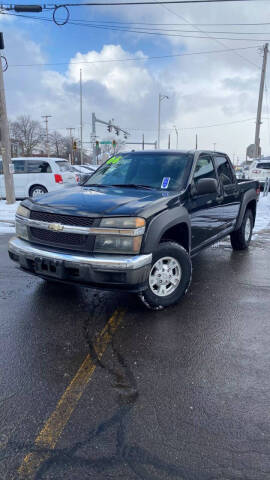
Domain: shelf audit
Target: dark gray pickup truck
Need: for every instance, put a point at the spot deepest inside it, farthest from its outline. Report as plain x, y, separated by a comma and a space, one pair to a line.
136, 223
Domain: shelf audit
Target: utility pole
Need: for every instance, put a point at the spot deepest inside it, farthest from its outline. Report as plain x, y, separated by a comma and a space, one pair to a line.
81, 117
214, 145
259, 109
4, 136
143, 141
71, 143
160, 98
176, 131
47, 133
169, 142
196, 142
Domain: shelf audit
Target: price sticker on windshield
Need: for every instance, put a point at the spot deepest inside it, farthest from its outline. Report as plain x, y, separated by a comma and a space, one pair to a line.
165, 182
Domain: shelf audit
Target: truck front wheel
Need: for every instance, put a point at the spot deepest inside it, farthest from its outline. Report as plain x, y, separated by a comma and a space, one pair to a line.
240, 239
169, 277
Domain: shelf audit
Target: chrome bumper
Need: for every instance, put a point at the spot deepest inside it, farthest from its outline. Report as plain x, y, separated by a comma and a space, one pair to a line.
24, 249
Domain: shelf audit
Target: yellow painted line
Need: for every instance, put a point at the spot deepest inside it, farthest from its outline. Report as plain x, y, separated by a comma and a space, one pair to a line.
53, 428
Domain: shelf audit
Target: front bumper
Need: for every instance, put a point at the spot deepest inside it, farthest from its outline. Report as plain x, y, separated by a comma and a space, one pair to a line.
100, 271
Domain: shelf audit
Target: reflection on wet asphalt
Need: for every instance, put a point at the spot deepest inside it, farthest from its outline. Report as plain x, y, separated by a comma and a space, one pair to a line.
182, 393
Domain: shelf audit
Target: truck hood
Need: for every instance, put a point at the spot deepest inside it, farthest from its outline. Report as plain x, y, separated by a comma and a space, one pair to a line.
104, 201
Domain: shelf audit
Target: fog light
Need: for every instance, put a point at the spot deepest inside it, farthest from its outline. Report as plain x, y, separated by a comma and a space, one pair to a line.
21, 231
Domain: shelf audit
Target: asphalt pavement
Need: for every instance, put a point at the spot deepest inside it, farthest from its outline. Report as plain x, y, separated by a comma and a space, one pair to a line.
179, 394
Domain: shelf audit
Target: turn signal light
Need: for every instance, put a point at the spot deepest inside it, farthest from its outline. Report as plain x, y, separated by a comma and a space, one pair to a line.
58, 178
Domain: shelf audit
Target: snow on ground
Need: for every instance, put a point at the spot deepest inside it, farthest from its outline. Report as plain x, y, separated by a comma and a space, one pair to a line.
263, 214
7, 215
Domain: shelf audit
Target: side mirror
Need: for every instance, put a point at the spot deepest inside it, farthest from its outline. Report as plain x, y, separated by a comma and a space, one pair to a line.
206, 185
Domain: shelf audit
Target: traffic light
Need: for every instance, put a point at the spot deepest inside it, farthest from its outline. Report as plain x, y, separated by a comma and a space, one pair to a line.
74, 146
117, 131
109, 128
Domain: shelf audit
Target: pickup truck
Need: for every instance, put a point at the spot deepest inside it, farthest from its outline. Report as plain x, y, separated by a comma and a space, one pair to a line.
136, 223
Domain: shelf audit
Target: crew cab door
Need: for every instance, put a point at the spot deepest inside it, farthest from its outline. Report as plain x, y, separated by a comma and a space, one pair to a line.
205, 210
229, 188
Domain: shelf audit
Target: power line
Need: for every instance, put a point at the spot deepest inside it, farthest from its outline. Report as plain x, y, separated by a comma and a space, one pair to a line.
123, 60
147, 32
210, 37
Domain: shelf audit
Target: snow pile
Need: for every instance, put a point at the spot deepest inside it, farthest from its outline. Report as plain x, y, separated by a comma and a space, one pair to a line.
7, 216
263, 214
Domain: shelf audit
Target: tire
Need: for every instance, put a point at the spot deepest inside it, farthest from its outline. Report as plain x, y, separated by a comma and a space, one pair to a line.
37, 190
174, 264
240, 239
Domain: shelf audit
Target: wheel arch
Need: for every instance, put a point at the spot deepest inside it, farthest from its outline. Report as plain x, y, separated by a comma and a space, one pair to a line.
168, 226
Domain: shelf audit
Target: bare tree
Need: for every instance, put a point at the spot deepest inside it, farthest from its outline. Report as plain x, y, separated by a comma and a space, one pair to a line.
59, 145
28, 133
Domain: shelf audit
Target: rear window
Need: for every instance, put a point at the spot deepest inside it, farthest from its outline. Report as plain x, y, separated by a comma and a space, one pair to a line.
64, 166
263, 166
38, 166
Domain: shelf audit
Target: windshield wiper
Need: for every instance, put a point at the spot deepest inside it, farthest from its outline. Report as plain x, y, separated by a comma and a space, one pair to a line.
132, 185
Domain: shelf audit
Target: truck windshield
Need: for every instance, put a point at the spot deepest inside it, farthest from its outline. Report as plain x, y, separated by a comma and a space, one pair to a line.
155, 170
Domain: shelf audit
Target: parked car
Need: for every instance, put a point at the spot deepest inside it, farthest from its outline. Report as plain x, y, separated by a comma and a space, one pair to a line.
260, 171
82, 172
136, 223
35, 176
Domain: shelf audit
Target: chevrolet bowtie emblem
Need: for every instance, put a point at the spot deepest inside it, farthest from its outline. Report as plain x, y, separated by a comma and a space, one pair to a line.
56, 227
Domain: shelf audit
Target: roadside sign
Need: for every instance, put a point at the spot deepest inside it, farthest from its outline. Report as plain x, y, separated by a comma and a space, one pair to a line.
107, 142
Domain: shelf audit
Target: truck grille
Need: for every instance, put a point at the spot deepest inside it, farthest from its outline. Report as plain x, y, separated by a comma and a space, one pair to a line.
63, 219
65, 239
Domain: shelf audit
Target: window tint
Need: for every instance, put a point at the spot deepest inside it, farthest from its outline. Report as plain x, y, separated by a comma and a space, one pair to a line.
204, 168
64, 166
38, 166
263, 166
19, 166
224, 170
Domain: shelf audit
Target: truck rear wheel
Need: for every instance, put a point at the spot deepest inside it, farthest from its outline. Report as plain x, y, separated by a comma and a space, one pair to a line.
169, 277
240, 239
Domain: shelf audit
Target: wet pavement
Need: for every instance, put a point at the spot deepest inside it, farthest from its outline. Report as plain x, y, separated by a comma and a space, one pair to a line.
178, 394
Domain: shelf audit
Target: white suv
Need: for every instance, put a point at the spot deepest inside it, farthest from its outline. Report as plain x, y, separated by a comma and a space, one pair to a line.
34, 176
260, 170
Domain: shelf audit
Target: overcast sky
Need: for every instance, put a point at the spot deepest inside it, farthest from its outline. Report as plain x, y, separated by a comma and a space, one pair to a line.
204, 89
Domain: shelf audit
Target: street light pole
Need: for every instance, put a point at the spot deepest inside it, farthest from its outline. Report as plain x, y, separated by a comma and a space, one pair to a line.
160, 98
176, 131
214, 145
81, 117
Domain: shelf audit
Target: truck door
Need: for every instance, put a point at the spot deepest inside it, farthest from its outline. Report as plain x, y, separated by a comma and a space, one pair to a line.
230, 189
205, 210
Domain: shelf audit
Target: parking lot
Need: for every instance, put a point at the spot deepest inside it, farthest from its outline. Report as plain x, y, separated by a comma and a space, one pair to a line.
94, 385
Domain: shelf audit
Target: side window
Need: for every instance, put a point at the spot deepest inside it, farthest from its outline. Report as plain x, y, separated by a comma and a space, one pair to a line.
19, 166
224, 170
1, 168
38, 166
204, 168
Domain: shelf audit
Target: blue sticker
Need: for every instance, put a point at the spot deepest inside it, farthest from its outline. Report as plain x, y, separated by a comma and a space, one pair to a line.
165, 182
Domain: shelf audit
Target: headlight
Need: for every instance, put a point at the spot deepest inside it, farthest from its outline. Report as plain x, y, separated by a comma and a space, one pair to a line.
117, 244
22, 211
123, 222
